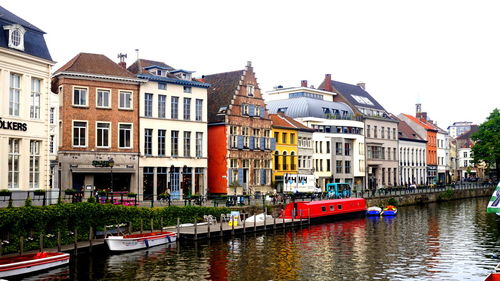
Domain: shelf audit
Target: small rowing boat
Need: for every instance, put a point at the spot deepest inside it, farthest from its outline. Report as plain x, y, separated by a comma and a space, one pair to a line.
29, 263
389, 211
373, 211
140, 241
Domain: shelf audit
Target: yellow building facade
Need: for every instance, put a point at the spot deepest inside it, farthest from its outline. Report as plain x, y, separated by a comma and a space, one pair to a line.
285, 154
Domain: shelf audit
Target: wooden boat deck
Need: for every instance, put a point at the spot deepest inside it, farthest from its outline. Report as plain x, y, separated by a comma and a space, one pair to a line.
204, 231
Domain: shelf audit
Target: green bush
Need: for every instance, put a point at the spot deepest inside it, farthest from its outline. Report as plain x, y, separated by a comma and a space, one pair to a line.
392, 201
31, 221
445, 195
91, 200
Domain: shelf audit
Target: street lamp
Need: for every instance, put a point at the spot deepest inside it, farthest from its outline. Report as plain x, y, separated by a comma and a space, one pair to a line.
111, 163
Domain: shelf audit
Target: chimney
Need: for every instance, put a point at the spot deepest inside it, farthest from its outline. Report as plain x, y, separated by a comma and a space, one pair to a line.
303, 83
122, 62
249, 64
328, 82
422, 116
362, 85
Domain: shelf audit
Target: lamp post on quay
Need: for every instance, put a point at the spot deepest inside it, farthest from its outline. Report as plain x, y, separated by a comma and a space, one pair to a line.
111, 164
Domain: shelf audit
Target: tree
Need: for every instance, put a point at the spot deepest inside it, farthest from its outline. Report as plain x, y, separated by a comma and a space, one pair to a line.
487, 142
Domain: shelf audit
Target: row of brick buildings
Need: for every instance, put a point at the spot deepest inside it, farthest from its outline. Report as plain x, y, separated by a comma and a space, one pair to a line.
151, 128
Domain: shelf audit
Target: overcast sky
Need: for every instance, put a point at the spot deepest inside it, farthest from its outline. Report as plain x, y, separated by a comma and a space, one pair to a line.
446, 54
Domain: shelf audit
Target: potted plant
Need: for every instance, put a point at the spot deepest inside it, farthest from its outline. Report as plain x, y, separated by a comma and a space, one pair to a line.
39, 192
5, 192
131, 194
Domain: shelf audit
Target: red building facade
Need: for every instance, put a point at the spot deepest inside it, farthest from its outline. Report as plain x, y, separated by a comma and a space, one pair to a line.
239, 134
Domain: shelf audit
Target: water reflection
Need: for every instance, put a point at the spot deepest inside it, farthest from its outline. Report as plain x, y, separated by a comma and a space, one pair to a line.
448, 241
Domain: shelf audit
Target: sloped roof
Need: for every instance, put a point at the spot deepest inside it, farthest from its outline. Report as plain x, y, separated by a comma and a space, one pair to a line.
94, 64
34, 42
284, 121
223, 88
407, 133
425, 125
352, 92
134, 68
306, 107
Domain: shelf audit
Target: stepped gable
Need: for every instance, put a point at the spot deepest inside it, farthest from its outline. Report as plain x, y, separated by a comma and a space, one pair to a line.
222, 90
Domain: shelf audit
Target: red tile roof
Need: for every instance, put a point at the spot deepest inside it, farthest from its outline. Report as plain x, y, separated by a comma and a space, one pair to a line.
421, 123
94, 64
284, 121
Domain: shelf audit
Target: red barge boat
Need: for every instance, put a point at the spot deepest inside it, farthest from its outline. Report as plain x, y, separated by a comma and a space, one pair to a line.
325, 209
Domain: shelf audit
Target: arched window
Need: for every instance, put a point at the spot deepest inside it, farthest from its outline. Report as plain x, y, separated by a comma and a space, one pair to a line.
292, 161
276, 161
285, 165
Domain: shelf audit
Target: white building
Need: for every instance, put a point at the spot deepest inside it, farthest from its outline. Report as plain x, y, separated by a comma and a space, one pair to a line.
338, 141
412, 155
459, 128
173, 131
25, 67
443, 151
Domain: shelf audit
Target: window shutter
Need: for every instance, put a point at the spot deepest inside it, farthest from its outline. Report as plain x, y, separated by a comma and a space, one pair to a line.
273, 144
252, 143
240, 176
229, 176
262, 111
251, 110
240, 142
262, 143
262, 176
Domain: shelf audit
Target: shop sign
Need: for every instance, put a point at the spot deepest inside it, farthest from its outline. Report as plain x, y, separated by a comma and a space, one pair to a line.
303, 183
100, 163
11, 125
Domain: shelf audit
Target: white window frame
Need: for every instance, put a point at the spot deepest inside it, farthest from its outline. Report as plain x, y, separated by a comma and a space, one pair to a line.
86, 96
187, 89
97, 97
15, 95
131, 135
86, 133
199, 109
250, 90
35, 97
244, 109
199, 144
131, 98
34, 166
14, 158
109, 134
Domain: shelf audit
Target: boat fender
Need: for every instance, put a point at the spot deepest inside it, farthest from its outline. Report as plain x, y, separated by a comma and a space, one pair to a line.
147, 243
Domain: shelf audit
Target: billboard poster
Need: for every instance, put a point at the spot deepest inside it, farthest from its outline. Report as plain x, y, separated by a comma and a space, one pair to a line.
301, 183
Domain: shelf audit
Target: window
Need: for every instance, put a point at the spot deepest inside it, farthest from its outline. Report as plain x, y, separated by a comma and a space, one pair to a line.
323, 208
246, 139
102, 134
244, 109
34, 164
347, 149
52, 115
187, 108
174, 146
332, 208
162, 86
103, 98
162, 106
125, 100
187, 144
347, 167
35, 98
283, 137
16, 37
161, 142
125, 135
13, 175
382, 131
79, 96
328, 165
148, 105
465, 154
257, 111
199, 109
79, 134
199, 144
250, 90
338, 148
338, 169
174, 110
148, 141
375, 131
233, 131
368, 131
292, 138
51, 144
14, 94
187, 89
327, 146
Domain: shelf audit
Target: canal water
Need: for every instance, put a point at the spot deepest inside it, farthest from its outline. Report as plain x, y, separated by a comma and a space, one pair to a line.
454, 240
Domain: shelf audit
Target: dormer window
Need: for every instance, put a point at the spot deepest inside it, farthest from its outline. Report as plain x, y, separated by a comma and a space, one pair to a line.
250, 90
222, 110
16, 36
